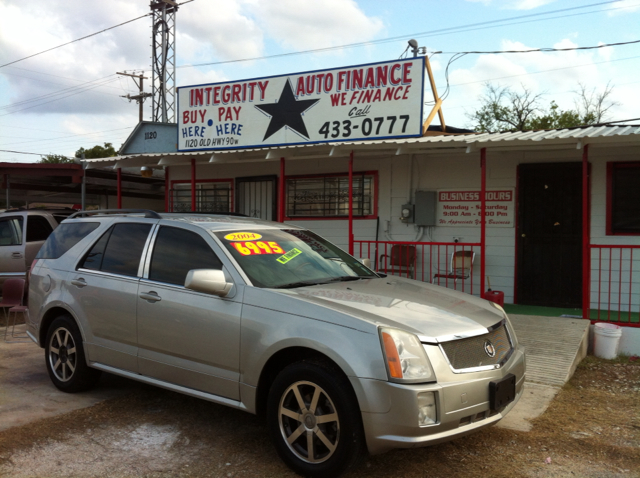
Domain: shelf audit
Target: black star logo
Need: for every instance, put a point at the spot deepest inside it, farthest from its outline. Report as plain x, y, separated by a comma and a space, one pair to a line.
287, 112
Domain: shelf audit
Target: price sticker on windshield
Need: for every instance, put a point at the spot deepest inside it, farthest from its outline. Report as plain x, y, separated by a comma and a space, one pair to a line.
289, 255
252, 248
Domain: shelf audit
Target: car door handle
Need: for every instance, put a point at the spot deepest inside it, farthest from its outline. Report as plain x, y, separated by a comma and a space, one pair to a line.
151, 296
17, 255
79, 282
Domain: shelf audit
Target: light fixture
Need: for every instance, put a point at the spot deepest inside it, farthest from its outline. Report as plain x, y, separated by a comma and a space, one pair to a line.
146, 172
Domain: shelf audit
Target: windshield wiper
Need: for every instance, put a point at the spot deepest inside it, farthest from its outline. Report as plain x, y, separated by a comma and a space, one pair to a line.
304, 283
293, 285
344, 278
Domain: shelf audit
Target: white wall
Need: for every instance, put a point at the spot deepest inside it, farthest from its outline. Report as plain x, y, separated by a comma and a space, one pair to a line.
399, 178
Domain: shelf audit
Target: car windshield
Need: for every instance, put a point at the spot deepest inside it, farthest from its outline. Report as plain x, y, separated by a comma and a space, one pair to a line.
291, 258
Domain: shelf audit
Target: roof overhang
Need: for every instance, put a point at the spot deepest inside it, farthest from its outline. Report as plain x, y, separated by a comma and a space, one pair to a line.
548, 140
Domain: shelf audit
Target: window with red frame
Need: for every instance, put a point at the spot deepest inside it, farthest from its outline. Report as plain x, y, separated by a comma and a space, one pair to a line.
328, 195
623, 198
211, 196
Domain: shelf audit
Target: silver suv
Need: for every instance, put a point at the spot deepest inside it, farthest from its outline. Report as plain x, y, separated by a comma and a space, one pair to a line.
22, 233
274, 320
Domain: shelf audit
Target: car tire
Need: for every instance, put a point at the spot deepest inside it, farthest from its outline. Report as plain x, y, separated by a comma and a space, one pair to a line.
65, 359
314, 420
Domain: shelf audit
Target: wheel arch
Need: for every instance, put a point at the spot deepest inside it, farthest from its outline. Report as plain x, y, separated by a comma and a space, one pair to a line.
48, 317
283, 358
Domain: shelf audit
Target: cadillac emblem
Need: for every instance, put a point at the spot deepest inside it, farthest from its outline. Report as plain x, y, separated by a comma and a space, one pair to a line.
489, 349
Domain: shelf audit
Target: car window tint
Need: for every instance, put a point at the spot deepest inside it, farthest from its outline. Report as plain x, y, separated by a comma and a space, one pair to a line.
93, 260
64, 237
118, 251
38, 228
11, 231
124, 249
176, 252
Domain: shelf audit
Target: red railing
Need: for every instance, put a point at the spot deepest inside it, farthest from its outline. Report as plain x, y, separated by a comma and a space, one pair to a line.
615, 284
424, 261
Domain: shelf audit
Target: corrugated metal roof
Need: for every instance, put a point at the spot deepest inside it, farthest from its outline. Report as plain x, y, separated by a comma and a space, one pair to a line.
602, 134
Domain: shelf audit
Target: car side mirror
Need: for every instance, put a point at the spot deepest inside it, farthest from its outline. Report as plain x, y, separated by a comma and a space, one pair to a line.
210, 281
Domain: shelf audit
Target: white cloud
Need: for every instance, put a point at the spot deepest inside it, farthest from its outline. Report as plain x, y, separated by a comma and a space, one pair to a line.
622, 7
309, 24
514, 4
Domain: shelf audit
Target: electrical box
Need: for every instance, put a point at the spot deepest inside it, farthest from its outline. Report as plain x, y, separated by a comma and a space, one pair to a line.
425, 211
407, 213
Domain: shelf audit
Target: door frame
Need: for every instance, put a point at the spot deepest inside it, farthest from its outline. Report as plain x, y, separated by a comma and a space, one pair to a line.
517, 233
248, 179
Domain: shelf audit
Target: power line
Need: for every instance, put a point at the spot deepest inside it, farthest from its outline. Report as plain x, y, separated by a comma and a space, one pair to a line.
457, 29
606, 45
70, 136
76, 40
57, 99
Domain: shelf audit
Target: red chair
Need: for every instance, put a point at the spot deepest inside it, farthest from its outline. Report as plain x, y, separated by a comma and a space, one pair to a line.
12, 294
402, 260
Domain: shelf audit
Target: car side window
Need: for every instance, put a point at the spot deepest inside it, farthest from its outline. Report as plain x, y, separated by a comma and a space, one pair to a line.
177, 251
64, 237
119, 249
38, 228
11, 231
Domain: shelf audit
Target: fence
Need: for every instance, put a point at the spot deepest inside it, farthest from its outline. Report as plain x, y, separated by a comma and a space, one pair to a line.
447, 264
615, 284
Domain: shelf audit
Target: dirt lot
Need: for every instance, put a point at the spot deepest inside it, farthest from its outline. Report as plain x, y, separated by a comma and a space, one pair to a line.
592, 429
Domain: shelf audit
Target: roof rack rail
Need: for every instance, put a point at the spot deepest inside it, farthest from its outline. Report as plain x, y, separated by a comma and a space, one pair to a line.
123, 212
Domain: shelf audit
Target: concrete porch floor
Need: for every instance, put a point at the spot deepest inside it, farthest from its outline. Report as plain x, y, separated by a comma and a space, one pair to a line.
554, 348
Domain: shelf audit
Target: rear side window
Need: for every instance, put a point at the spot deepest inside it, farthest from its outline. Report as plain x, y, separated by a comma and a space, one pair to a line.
64, 237
176, 252
38, 228
119, 249
11, 231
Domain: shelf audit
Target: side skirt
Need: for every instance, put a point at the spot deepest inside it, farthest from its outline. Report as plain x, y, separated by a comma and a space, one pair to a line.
169, 386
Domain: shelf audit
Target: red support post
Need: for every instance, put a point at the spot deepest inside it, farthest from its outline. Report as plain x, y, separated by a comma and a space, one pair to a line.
351, 203
586, 236
281, 201
119, 182
167, 190
483, 220
193, 185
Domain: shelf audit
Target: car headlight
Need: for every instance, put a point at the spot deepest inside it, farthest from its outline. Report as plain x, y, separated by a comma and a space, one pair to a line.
405, 357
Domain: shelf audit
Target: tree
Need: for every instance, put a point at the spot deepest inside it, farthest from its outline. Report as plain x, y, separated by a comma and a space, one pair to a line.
55, 159
97, 152
505, 110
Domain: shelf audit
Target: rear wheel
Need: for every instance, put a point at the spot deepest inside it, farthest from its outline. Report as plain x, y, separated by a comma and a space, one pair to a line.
64, 355
314, 420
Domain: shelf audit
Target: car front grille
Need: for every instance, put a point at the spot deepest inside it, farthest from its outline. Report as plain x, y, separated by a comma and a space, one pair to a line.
474, 352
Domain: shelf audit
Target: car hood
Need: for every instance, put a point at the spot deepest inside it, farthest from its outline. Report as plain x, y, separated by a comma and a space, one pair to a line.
434, 313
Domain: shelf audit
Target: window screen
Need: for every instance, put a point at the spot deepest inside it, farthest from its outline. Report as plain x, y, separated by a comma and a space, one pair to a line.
328, 196
119, 250
176, 252
625, 198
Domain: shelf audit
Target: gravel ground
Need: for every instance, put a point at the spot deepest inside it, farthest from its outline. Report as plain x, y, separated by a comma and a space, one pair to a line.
591, 429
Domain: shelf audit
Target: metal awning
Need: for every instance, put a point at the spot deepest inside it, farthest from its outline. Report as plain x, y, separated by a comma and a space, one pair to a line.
573, 138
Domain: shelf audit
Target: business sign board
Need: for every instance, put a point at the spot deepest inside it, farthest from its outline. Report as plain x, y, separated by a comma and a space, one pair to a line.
461, 207
374, 101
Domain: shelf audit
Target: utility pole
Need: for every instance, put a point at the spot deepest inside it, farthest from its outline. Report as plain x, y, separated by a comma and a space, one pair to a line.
137, 98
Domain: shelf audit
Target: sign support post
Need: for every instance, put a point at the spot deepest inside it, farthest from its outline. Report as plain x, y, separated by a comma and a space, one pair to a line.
586, 233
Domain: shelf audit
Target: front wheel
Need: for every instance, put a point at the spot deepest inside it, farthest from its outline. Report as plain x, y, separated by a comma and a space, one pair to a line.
64, 355
314, 420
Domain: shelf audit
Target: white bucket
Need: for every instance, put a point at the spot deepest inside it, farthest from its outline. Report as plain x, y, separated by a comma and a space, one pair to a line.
606, 340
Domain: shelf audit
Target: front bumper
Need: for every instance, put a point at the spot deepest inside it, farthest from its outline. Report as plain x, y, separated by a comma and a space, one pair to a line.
462, 402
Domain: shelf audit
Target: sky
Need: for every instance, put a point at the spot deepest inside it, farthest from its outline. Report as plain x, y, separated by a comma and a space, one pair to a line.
71, 97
